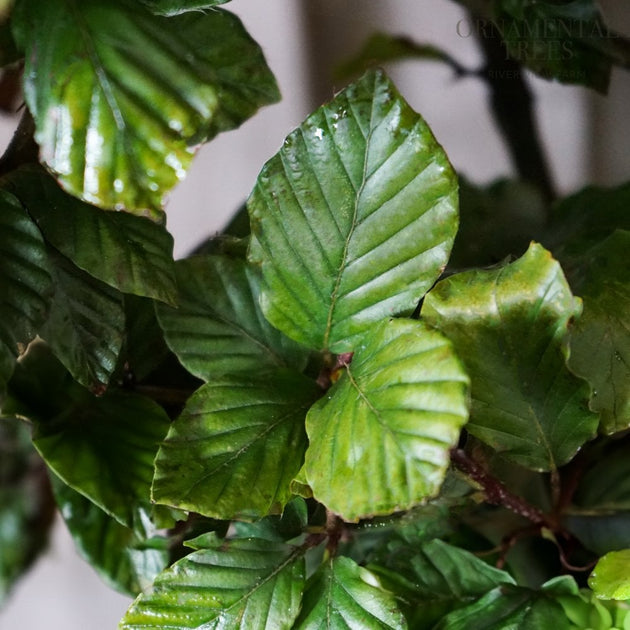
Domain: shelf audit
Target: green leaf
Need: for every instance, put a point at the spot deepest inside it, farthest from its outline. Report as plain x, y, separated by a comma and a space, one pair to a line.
104, 448
509, 326
218, 328
380, 438
290, 524
605, 486
600, 339
565, 41
381, 48
434, 578
371, 199
121, 557
129, 253
344, 596
26, 506
508, 608
145, 348
175, 7
121, 97
611, 579
236, 447
583, 220
86, 324
25, 282
496, 221
240, 584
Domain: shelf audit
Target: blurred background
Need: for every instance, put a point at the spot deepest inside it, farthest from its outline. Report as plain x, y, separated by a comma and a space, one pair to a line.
586, 138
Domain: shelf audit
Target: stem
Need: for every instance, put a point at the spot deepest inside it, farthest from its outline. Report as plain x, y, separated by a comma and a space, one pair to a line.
495, 492
511, 102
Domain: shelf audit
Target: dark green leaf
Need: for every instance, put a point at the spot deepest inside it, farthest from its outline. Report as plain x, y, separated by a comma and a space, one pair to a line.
25, 282
435, 578
129, 253
175, 7
236, 447
380, 438
586, 218
290, 524
600, 532
353, 219
381, 48
564, 41
86, 324
611, 579
26, 505
123, 559
508, 608
344, 596
496, 221
104, 448
226, 585
145, 347
600, 339
509, 326
121, 96
218, 328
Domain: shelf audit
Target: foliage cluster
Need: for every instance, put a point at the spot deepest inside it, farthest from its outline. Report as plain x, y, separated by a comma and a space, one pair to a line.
383, 398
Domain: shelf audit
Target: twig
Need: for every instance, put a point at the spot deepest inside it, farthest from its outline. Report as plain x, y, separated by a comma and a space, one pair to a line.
495, 492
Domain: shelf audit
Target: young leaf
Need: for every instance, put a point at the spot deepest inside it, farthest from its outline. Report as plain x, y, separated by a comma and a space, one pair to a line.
600, 339
236, 447
509, 326
218, 328
344, 596
120, 96
379, 440
353, 219
435, 578
86, 324
123, 558
610, 578
104, 448
25, 282
129, 253
240, 584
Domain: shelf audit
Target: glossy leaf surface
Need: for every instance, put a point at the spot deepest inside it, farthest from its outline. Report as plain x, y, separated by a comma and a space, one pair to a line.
344, 596
123, 558
600, 339
435, 578
610, 579
353, 219
86, 324
120, 96
129, 253
104, 448
218, 327
509, 326
379, 440
25, 282
247, 584
236, 447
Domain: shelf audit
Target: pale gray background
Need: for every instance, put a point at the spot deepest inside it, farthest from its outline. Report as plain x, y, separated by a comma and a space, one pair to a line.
587, 139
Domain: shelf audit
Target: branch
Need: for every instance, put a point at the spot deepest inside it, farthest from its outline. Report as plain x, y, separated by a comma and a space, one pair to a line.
495, 492
512, 102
